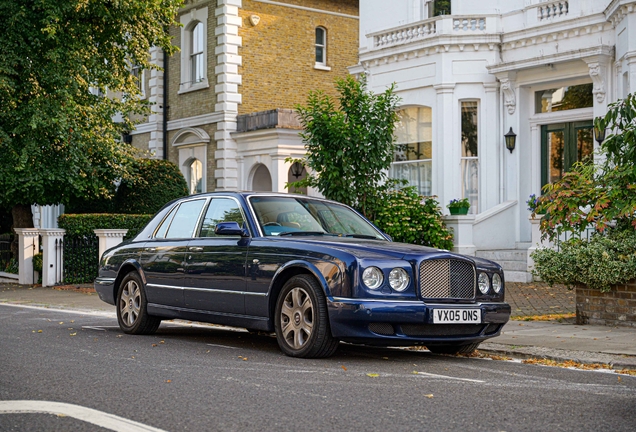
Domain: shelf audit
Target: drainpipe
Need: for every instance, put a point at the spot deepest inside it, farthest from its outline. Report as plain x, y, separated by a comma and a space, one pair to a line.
165, 104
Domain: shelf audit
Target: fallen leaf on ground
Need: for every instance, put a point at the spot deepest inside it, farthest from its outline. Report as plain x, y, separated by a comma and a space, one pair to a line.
430, 396
154, 345
168, 381
39, 331
73, 334
373, 375
343, 368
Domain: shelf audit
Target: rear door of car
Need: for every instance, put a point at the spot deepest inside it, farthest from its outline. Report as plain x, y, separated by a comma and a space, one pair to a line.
163, 257
215, 264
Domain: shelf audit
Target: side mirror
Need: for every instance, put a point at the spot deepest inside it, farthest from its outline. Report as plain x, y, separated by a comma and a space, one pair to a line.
230, 228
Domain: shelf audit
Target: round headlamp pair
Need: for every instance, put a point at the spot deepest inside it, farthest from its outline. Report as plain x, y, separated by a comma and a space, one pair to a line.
372, 277
484, 283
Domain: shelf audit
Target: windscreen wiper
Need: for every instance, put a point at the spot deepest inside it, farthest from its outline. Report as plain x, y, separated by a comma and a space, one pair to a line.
361, 236
304, 233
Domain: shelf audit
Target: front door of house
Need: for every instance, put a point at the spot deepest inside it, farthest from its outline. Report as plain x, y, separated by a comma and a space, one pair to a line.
562, 145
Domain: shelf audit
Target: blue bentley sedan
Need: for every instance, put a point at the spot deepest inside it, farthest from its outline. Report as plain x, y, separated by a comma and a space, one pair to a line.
313, 271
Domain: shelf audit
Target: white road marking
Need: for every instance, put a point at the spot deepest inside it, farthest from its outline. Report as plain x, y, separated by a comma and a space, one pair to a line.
449, 377
100, 328
89, 415
222, 346
69, 311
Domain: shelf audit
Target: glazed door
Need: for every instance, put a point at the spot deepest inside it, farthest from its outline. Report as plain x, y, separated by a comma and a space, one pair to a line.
562, 145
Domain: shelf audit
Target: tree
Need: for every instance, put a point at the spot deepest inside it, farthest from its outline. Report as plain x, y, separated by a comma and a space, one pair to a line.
350, 148
59, 60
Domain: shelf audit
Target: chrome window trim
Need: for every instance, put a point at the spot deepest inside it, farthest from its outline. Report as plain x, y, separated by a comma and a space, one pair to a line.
176, 209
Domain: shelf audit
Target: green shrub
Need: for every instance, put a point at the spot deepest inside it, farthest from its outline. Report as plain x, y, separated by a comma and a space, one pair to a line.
151, 184
82, 225
599, 263
38, 262
411, 218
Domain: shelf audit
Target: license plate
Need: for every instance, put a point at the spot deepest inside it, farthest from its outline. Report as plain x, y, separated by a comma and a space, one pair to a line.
456, 316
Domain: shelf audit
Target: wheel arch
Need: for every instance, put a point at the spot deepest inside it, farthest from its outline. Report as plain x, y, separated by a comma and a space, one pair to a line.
285, 273
126, 268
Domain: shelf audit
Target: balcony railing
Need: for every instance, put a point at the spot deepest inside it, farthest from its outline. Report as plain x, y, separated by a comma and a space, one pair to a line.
552, 10
443, 25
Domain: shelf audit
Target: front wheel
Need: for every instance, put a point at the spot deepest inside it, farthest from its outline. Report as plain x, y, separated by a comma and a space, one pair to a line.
453, 348
132, 314
302, 321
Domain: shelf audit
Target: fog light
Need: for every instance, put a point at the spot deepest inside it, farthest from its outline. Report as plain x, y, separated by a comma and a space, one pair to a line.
497, 284
484, 283
398, 279
372, 278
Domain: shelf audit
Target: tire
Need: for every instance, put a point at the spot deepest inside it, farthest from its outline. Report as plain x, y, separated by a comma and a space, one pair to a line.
302, 321
132, 306
453, 348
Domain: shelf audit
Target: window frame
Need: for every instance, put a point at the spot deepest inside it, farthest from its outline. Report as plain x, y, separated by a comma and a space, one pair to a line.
189, 22
474, 206
322, 65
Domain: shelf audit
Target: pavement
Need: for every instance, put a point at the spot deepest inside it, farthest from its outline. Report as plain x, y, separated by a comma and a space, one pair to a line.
543, 324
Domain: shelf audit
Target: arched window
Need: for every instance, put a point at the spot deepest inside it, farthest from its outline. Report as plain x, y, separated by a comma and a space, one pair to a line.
413, 148
196, 176
261, 180
321, 46
196, 54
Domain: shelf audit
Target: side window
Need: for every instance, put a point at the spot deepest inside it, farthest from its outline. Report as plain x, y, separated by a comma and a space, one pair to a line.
220, 210
161, 232
185, 219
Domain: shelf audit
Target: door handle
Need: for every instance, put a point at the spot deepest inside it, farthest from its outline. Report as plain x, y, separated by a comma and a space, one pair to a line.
195, 248
150, 249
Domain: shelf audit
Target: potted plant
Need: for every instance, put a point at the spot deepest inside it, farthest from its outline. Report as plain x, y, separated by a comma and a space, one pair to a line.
458, 206
534, 203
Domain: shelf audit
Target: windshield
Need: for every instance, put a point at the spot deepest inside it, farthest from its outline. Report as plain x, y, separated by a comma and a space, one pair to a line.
295, 216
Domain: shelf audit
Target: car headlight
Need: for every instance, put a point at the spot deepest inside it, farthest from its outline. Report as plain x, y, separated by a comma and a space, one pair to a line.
398, 279
372, 277
483, 282
497, 284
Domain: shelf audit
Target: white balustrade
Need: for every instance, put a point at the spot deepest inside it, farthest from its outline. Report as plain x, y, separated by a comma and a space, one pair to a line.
551, 10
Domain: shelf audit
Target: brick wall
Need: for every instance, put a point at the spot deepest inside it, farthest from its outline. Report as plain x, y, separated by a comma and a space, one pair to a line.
140, 142
279, 52
201, 101
614, 308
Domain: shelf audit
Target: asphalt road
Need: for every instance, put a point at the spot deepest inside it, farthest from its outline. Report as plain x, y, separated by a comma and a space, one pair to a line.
202, 378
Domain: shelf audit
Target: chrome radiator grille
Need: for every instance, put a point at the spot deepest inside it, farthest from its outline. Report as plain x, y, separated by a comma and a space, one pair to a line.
447, 278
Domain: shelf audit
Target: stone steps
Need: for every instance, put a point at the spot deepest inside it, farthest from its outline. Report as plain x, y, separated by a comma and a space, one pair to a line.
513, 261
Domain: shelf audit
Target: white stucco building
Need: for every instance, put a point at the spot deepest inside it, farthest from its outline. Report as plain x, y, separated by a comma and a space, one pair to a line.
545, 69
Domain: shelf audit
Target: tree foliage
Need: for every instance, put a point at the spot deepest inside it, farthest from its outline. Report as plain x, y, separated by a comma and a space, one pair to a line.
349, 146
59, 58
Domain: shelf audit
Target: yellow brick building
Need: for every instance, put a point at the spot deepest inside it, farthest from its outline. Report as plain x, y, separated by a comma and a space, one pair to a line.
223, 109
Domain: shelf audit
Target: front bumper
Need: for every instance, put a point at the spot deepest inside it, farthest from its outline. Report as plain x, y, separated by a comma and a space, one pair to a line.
380, 322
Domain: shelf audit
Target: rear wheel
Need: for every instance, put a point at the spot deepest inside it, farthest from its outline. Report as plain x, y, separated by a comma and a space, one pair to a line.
301, 320
453, 348
132, 312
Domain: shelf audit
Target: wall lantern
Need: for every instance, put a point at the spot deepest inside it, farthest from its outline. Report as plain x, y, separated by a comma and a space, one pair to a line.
511, 139
599, 135
297, 169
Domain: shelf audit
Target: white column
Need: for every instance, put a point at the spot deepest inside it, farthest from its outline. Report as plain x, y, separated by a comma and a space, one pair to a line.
155, 85
28, 245
489, 150
462, 227
109, 238
52, 256
228, 97
279, 173
446, 171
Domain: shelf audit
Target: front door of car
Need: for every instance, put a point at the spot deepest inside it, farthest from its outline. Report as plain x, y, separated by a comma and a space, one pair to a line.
163, 257
215, 264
